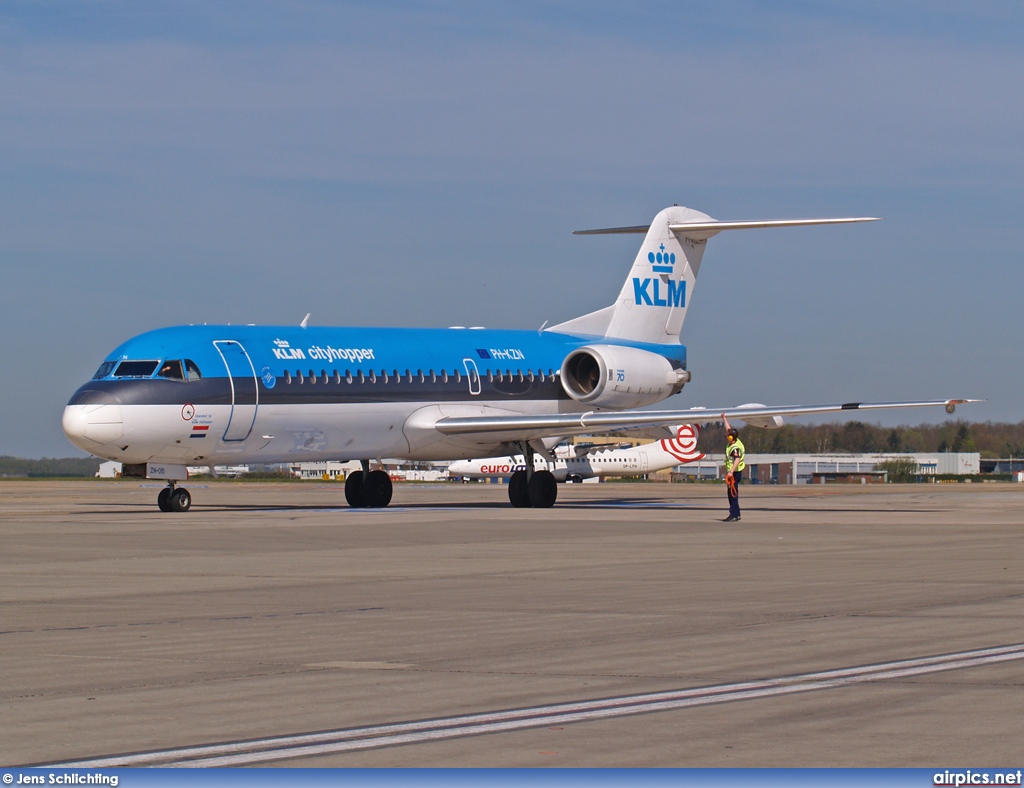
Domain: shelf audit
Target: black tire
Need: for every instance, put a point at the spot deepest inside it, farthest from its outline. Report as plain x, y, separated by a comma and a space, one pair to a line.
543, 490
163, 500
517, 492
180, 500
377, 489
354, 490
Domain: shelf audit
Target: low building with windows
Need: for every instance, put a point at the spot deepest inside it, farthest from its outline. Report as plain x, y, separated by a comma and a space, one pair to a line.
822, 468
326, 470
398, 470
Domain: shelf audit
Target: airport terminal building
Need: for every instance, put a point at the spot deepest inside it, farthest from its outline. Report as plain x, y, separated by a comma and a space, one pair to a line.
822, 468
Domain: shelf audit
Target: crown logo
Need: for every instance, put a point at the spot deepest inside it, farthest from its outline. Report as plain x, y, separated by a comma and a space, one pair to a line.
662, 261
281, 343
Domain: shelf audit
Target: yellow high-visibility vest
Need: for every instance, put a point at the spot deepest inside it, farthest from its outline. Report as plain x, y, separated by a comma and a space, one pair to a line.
740, 462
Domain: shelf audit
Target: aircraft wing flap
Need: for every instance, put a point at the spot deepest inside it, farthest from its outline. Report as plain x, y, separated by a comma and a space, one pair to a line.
566, 424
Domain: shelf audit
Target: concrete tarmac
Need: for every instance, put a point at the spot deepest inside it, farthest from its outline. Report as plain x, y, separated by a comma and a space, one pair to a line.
273, 609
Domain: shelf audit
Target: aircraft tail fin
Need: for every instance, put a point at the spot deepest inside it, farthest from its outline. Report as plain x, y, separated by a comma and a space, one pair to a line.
652, 304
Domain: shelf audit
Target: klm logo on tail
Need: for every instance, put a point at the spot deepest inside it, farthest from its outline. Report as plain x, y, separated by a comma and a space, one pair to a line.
662, 262
674, 296
658, 291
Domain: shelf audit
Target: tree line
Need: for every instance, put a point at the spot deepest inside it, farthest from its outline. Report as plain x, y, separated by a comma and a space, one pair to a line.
20, 467
992, 440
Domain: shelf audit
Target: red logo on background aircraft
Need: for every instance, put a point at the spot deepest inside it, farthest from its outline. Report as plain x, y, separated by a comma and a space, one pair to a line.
684, 446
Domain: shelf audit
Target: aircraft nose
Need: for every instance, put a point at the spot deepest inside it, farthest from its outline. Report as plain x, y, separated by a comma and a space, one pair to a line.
91, 426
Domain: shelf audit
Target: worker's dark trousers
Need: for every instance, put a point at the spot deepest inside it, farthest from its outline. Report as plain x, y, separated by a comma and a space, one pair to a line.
734, 500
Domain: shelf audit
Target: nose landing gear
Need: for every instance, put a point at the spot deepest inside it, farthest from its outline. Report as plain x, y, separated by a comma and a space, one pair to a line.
174, 499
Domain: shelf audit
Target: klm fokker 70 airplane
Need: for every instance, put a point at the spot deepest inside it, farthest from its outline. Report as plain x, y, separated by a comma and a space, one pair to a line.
260, 394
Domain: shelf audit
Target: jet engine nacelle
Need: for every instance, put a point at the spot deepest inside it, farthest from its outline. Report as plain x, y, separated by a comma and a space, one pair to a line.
765, 422
612, 376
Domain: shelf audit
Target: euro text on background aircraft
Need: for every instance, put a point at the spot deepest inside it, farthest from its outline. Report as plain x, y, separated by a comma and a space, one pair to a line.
229, 395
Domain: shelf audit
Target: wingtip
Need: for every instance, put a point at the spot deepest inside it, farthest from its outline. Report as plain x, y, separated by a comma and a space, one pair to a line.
952, 403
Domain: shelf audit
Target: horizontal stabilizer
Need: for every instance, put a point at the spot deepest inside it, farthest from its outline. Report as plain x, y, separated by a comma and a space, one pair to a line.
654, 299
702, 230
640, 228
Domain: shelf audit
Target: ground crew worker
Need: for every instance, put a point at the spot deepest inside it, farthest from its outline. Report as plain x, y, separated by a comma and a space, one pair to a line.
735, 462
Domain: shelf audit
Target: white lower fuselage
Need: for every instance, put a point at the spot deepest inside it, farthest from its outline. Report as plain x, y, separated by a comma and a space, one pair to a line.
280, 433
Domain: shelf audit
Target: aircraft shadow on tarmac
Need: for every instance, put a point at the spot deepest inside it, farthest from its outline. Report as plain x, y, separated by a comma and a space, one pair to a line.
622, 503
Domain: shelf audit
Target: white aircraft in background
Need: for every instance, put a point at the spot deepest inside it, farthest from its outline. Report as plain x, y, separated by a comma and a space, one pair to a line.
593, 461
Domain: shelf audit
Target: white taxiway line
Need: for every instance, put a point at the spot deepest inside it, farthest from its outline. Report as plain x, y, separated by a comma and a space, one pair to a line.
279, 748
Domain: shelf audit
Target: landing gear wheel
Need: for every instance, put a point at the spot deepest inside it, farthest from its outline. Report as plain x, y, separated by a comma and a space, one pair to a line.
517, 490
180, 500
542, 490
377, 489
163, 500
354, 490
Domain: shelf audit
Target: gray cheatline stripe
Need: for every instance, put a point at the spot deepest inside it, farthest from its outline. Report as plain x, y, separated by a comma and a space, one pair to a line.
376, 736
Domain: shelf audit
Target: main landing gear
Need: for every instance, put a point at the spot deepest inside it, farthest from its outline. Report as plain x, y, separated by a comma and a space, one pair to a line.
532, 488
368, 489
174, 499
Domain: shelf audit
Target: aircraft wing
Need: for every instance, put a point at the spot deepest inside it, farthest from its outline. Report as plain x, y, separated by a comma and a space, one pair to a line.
511, 428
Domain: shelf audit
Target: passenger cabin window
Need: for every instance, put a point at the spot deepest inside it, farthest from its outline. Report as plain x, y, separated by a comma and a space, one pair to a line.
135, 369
105, 369
171, 370
192, 371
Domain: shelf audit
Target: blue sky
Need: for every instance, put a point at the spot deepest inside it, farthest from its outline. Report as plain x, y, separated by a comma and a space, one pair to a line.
424, 164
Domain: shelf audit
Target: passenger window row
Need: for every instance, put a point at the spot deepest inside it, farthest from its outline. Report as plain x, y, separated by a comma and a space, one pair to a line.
349, 377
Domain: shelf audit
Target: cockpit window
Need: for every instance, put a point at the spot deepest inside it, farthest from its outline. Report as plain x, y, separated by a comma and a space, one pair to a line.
171, 369
135, 369
105, 369
192, 371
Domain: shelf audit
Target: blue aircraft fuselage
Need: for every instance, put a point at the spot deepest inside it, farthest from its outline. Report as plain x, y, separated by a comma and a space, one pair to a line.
224, 394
